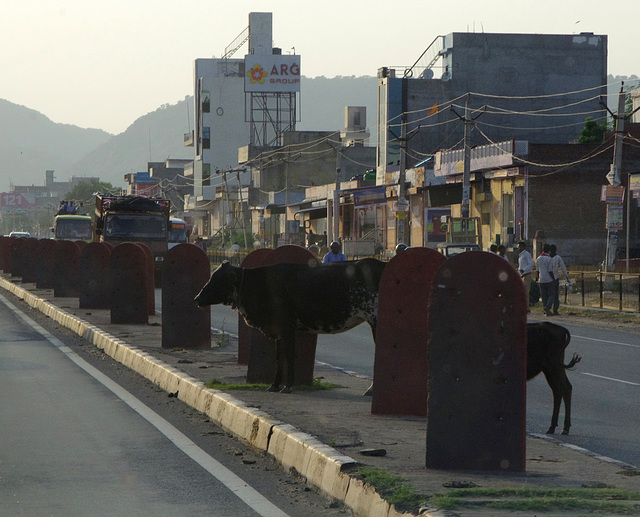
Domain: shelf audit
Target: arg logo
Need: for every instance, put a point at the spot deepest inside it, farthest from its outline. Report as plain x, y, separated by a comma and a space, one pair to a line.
274, 75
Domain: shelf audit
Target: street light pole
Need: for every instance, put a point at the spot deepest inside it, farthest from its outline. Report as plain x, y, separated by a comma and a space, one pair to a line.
336, 204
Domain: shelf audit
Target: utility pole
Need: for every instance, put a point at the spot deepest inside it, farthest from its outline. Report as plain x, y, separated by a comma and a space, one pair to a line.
244, 221
402, 203
466, 177
336, 201
402, 182
613, 177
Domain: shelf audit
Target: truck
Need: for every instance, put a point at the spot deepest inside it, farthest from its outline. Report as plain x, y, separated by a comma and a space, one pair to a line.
133, 219
72, 227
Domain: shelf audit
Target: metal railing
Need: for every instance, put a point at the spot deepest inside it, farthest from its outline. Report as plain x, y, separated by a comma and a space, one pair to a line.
597, 289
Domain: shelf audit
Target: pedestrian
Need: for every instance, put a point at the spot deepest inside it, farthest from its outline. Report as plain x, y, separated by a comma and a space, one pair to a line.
200, 243
401, 247
502, 252
493, 248
558, 265
546, 280
525, 268
335, 255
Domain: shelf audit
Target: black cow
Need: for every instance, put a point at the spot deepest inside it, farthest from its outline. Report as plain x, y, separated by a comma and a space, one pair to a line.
546, 343
282, 298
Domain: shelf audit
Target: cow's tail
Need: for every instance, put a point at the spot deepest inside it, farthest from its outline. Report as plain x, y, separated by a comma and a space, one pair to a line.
574, 360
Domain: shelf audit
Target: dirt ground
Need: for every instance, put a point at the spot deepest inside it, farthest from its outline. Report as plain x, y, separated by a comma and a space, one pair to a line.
342, 418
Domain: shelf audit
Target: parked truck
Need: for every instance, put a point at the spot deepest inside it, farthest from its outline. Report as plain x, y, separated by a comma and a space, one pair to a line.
133, 219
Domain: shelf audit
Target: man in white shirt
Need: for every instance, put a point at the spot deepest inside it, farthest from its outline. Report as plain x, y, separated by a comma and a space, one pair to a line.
558, 265
546, 280
525, 268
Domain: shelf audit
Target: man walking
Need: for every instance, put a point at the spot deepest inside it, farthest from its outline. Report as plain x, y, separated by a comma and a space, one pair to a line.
546, 280
525, 267
558, 265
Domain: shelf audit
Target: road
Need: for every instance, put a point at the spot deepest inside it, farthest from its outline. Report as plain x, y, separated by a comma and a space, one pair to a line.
82, 435
606, 384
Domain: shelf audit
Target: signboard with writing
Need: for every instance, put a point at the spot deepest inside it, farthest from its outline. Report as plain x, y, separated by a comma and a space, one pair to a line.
634, 185
16, 202
614, 217
369, 197
271, 73
612, 194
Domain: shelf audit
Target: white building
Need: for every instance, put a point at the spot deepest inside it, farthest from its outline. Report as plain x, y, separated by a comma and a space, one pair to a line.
236, 106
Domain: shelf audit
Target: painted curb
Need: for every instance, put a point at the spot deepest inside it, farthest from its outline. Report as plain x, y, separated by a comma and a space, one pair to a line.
320, 465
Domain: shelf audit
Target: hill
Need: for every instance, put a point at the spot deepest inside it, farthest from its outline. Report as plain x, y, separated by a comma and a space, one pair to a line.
30, 143
155, 136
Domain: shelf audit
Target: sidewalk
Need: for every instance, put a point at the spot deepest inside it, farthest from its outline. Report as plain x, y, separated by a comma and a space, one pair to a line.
318, 433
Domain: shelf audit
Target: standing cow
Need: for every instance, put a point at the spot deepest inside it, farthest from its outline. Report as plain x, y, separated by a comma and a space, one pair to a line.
282, 298
546, 343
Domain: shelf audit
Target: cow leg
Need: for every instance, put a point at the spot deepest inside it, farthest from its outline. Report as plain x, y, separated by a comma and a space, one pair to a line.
279, 367
555, 385
567, 405
289, 359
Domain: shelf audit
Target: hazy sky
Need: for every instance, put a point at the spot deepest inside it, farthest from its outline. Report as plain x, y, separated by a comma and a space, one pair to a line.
103, 63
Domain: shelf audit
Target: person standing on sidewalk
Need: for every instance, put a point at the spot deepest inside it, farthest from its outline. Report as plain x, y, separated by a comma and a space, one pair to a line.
557, 265
335, 255
525, 268
546, 280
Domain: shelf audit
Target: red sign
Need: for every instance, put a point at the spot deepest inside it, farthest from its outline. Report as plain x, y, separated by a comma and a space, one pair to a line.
14, 201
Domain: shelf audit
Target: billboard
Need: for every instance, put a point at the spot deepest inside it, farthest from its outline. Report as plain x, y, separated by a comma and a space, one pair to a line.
16, 202
271, 73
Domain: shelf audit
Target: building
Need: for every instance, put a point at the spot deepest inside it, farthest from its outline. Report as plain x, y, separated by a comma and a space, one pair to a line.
635, 104
533, 87
239, 102
521, 190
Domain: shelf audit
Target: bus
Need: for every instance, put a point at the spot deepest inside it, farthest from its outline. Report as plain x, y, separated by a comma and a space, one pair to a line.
178, 232
72, 227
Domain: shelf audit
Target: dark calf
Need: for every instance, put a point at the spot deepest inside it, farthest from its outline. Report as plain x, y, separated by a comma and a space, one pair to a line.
546, 343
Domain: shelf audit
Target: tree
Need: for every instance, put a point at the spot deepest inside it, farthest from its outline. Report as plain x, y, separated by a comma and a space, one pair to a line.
83, 191
592, 131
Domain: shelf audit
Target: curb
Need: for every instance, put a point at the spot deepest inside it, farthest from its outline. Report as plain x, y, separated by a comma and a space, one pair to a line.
320, 465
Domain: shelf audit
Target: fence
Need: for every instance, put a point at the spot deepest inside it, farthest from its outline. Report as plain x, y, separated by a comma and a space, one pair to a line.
614, 291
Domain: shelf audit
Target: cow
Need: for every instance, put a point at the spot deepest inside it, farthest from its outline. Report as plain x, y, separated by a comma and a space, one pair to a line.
282, 298
546, 343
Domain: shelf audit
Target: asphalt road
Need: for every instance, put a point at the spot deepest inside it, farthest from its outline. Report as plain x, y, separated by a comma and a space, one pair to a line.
82, 435
606, 384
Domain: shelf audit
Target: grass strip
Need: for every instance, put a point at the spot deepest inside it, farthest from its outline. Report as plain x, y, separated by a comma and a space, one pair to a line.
392, 488
317, 385
608, 500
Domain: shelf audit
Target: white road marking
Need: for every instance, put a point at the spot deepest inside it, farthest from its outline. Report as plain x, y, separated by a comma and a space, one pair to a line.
610, 379
608, 342
235, 484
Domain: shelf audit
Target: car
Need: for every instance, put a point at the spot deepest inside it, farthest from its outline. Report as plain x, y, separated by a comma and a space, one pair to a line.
20, 234
449, 249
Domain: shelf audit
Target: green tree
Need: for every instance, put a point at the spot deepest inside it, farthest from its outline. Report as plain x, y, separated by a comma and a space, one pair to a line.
84, 191
592, 131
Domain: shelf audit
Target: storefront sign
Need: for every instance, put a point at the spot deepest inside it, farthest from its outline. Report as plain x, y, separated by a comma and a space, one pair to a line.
369, 197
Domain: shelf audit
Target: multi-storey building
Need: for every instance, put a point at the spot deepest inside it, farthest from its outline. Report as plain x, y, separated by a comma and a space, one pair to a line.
534, 87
